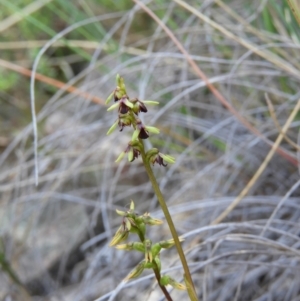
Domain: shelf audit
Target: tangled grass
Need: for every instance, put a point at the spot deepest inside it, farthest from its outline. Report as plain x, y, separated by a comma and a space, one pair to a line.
55, 236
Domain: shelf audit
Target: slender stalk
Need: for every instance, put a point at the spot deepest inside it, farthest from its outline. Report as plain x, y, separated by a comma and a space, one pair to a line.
156, 270
162, 287
168, 217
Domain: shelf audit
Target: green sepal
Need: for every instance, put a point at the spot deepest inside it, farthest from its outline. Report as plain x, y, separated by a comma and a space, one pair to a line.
126, 247
128, 103
138, 228
135, 135
134, 229
121, 213
148, 220
151, 152
109, 98
155, 249
120, 236
119, 93
121, 156
131, 205
112, 107
130, 155
135, 144
167, 280
166, 244
112, 128
118, 77
158, 262
139, 246
152, 129
122, 84
128, 224
168, 158
149, 265
150, 102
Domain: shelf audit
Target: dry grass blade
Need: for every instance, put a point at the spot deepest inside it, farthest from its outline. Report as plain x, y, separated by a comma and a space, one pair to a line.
274, 118
56, 235
51, 81
295, 8
262, 167
20, 15
201, 75
267, 55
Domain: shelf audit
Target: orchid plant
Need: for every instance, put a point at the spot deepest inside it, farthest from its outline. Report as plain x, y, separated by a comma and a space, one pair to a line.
128, 116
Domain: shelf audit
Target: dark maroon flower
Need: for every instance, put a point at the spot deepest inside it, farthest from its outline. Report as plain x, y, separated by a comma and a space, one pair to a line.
159, 160
133, 153
138, 106
143, 133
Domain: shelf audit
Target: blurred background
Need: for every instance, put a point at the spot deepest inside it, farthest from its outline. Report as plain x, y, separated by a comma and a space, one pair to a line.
54, 237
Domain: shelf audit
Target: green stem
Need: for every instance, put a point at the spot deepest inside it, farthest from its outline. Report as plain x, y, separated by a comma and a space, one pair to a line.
155, 270
168, 217
162, 287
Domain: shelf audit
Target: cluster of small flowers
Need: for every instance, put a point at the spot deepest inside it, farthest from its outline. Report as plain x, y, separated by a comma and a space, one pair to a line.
128, 110
134, 223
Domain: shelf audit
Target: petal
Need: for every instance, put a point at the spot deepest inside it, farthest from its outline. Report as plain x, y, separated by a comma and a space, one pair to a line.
143, 134
142, 107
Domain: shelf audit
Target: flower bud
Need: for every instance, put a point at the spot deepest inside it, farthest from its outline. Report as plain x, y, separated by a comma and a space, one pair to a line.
155, 249
148, 220
137, 271
121, 235
126, 247
166, 244
167, 280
